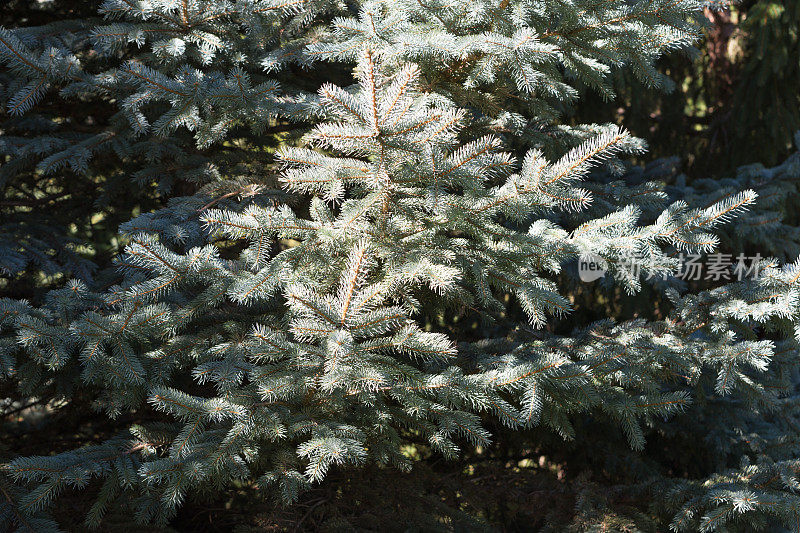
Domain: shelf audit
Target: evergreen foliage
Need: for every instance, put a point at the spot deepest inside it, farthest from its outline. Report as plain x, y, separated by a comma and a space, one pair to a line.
268, 334
764, 105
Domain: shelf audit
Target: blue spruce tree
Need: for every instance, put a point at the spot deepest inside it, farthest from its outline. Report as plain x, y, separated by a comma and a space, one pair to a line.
277, 318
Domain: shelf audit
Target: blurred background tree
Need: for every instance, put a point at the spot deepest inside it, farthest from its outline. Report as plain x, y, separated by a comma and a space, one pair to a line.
736, 102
